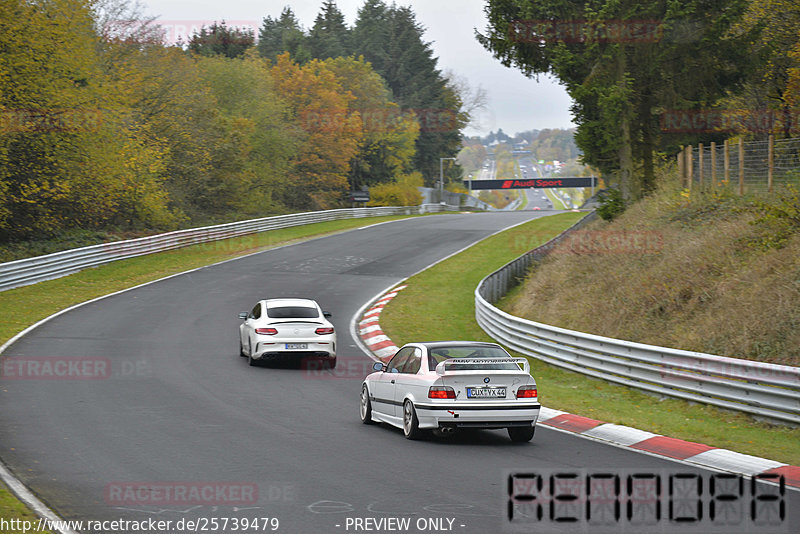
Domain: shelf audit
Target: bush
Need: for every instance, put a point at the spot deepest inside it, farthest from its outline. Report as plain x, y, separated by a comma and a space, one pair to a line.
779, 218
612, 204
402, 192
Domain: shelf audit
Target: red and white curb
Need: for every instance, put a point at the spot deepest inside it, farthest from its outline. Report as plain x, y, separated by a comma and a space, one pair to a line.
617, 435
370, 331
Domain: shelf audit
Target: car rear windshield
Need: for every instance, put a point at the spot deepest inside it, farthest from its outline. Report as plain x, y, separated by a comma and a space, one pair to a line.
440, 354
292, 312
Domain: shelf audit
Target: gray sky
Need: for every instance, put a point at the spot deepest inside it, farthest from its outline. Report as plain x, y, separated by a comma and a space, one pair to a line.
516, 103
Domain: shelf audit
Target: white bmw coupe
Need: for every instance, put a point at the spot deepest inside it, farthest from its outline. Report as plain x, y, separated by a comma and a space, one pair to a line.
446, 385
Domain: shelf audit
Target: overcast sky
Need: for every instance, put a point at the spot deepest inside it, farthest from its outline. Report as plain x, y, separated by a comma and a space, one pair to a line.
515, 103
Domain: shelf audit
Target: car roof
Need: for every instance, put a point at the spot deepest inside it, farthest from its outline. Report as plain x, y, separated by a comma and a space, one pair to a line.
437, 344
275, 303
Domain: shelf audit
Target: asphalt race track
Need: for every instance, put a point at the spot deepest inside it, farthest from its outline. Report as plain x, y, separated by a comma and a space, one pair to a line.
180, 409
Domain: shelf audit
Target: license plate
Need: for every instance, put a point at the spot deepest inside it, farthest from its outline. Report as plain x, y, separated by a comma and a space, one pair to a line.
486, 393
290, 346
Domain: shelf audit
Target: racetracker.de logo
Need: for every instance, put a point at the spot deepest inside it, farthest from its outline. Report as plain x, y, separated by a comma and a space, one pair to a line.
181, 31
610, 242
381, 120
55, 368
181, 493
346, 368
729, 121
50, 120
586, 31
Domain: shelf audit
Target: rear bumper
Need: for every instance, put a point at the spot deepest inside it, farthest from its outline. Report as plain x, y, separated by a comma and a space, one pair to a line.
477, 415
294, 355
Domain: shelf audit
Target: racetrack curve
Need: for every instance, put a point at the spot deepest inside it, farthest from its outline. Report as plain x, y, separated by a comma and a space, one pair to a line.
181, 407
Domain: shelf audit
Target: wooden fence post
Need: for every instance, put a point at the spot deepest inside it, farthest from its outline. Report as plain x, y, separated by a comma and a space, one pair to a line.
689, 168
700, 164
726, 162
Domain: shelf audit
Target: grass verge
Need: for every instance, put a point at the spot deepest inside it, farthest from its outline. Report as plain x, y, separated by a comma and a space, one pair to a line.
446, 291
11, 508
25, 306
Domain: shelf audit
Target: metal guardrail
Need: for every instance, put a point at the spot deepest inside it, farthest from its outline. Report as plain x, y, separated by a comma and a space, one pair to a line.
37, 269
765, 390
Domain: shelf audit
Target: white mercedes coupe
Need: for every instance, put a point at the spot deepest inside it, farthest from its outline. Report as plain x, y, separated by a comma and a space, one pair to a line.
446, 385
287, 329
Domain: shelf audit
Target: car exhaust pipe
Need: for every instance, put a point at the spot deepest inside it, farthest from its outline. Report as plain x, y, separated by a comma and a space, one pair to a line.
446, 430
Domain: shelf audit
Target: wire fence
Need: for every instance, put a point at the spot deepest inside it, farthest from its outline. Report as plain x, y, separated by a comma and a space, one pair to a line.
751, 167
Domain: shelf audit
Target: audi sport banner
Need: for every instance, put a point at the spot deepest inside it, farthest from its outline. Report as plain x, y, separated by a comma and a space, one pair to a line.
536, 183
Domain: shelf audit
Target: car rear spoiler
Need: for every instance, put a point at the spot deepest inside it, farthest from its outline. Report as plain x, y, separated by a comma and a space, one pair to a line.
474, 364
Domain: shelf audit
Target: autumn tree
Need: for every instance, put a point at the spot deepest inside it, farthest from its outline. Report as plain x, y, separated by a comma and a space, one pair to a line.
329, 133
387, 146
773, 84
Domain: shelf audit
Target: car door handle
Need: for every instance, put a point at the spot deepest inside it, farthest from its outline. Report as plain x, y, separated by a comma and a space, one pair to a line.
392, 381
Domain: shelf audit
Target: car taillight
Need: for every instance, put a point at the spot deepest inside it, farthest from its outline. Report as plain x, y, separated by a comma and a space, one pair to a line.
441, 392
324, 330
267, 331
527, 392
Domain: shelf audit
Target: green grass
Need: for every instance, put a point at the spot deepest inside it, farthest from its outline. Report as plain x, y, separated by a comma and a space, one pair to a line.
445, 292
25, 306
11, 508
524, 203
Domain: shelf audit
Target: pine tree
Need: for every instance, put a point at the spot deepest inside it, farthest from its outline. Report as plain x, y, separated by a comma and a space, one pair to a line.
283, 34
391, 39
330, 37
219, 40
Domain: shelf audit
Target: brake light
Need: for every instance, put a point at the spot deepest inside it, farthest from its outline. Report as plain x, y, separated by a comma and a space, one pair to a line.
441, 392
267, 331
324, 330
527, 392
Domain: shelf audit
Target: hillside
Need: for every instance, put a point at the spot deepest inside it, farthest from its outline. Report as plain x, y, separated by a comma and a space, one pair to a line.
717, 274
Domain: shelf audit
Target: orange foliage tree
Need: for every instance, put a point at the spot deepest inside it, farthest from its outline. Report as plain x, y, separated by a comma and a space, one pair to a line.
330, 133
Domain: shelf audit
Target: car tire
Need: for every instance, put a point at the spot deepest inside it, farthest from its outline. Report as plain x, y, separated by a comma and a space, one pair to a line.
410, 422
250, 359
521, 434
332, 364
241, 348
365, 408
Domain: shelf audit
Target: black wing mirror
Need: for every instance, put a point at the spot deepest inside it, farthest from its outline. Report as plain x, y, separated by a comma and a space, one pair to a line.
378, 366
327, 314
243, 315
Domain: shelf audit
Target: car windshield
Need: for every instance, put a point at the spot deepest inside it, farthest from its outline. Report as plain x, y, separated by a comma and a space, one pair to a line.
292, 312
476, 352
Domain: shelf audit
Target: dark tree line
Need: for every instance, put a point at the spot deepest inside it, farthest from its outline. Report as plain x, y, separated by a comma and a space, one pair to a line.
625, 63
